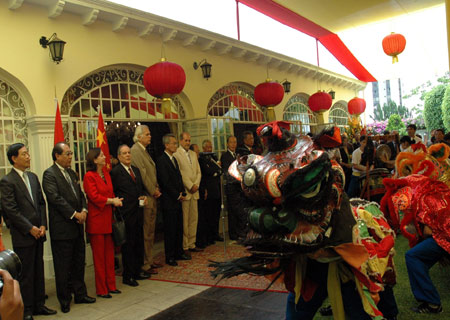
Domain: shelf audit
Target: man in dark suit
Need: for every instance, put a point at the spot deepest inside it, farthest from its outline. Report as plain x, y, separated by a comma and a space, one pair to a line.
248, 141
235, 210
210, 197
172, 193
67, 214
127, 183
24, 209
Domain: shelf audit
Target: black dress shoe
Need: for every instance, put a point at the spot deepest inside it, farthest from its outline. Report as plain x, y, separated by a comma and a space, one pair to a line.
156, 265
172, 263
131, 282
195, 250
201, 246
142, 275
218, 238
28, 317
65, 307
104, 296
115, 291
85, 299
44, 311
184, 257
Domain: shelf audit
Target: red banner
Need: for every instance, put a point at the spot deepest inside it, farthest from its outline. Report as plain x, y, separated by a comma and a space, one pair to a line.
102, 141
58, 132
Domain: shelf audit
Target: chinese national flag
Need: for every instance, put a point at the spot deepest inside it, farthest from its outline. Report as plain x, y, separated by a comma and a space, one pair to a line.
102, 142
59, 132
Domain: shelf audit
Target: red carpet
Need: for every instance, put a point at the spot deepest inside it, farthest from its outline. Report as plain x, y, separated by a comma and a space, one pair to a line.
196, 271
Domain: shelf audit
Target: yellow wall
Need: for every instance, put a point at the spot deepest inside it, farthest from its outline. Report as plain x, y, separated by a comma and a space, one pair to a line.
92, 47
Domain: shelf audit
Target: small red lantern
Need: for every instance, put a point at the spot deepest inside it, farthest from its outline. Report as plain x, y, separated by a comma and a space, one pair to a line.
164, 79
356, 106
320, 101
393, 45
269, 93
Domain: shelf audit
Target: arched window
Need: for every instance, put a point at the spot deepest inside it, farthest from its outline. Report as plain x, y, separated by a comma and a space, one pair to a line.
13, 126
299, 114
339, 114
124, 102
230, 109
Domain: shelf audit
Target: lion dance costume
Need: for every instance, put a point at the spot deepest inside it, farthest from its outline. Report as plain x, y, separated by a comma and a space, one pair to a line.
306, 231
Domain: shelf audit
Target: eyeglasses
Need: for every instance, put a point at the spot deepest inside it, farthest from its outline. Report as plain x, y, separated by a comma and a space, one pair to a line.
68, 153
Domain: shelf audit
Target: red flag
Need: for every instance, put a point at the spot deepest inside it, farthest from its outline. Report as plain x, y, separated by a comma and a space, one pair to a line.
102, 142
59, 132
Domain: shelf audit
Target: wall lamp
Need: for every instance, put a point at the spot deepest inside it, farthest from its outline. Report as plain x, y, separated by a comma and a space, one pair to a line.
206, 68
55, 45
286, 85
332, 93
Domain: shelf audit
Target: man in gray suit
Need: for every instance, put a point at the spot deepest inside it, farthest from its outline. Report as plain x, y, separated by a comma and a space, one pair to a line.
141, 159
24, 210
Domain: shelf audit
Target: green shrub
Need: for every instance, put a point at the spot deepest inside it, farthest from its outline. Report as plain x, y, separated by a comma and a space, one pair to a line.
395, 123
446, 109
432, 110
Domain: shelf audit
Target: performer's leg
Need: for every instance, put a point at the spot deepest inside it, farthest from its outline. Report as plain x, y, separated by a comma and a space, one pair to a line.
419, 260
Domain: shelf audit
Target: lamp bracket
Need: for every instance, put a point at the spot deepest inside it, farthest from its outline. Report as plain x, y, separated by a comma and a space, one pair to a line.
197, 65
43, 41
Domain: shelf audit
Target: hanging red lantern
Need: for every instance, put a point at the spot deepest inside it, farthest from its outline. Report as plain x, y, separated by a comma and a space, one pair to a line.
164, 79
320, 101
269, 93
393, 45
356, 106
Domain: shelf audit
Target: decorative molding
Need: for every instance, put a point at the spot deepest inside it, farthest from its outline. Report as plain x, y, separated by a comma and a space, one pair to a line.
224, 49
239, 53
285, 66
56, 10
275, 63
14, 4
90, 17
264, 60
252, 57
189, 41
208, 45
119, 24
146, 30
169, 35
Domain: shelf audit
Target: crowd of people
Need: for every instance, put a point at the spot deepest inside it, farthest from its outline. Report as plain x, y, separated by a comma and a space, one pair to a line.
188, 183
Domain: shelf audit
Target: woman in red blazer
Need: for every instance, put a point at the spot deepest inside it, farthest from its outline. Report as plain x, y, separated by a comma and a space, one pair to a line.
101, 199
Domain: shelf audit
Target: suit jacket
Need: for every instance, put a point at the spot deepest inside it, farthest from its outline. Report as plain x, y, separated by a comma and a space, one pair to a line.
191, 174
211, 173
62, 203
141, 159
226, 160
126, 188
243, 151
20, 210
99, 218
170, 182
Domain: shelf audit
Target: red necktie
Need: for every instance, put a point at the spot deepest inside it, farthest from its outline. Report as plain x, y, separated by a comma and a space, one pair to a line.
132, 175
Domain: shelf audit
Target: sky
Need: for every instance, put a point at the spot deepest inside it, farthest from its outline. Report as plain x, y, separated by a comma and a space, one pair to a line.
425, 56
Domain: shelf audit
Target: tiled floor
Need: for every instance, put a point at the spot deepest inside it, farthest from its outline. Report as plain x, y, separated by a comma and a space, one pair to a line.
134, 303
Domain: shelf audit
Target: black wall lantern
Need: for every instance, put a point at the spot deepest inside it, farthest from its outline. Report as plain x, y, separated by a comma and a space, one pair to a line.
332, 93
55, 45
286, 86
206, 68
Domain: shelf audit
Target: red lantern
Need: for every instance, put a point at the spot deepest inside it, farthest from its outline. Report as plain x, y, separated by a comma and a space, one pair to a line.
320, 101
164, 79
393, 45
269, 93
356, 106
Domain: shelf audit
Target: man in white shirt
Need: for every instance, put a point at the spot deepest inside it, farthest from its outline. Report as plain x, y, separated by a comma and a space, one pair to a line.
191, 174
357, 169
411, 129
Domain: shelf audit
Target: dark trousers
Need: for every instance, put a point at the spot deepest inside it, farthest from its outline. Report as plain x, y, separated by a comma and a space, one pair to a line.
318, 272
208, 221
173, 231
133, 248
419, 260
32, 283
69, 258
237, 216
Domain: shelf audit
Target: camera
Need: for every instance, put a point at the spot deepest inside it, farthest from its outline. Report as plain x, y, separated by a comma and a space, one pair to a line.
10, 262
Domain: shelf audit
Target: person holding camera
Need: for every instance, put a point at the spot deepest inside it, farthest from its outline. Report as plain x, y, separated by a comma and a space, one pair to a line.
67, 212
24, 210
11, 304
210, 197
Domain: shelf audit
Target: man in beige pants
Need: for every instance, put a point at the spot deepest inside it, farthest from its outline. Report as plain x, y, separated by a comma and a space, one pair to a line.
142, 159
191, 174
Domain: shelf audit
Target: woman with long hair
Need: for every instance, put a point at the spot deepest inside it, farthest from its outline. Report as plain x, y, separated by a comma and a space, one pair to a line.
101, 200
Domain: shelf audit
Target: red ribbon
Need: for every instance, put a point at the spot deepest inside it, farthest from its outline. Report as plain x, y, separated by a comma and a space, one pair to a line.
276, 128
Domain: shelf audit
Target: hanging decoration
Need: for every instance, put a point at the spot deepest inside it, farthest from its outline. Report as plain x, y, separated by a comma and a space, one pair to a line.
356, 106
320, 101
164, 80
393, 45
269, 94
